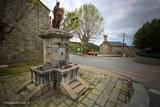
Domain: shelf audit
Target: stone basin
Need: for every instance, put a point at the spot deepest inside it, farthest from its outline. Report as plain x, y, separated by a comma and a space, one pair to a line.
54, 77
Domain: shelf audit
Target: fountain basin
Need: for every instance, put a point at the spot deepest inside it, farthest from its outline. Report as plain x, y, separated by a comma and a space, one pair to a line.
53, 78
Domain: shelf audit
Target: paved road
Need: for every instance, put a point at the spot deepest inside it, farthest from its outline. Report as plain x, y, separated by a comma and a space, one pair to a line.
149, 75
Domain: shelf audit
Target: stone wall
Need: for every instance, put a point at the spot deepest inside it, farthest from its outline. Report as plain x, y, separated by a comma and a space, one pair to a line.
116, 50
147, 60
23, 43
105, 49
129, 51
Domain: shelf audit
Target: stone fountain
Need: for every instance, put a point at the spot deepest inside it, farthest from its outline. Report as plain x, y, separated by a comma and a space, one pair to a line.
56, 72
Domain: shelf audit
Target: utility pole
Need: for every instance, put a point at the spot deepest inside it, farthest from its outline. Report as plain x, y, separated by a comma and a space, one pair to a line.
123, 44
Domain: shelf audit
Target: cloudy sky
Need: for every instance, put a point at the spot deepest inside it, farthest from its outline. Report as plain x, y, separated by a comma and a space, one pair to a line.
121, 16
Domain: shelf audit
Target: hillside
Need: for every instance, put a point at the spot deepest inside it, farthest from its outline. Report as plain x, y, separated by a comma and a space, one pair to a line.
73, 46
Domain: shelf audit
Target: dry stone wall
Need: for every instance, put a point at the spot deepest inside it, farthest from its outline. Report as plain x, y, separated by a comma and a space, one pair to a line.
24, 44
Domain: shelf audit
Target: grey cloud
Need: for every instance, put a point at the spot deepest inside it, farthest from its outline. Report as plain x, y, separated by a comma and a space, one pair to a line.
120, 15
128, 16
135, 14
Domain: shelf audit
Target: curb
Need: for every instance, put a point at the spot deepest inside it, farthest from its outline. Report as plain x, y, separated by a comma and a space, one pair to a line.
109, 55
98, 55
99, 70
139, 98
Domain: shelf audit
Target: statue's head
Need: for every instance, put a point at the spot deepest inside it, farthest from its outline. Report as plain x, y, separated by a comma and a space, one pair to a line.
58, 3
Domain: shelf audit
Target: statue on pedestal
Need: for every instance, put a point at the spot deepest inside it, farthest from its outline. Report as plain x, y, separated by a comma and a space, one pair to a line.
58, 13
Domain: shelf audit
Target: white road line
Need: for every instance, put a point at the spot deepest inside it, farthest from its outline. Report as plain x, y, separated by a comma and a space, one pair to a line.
154, 91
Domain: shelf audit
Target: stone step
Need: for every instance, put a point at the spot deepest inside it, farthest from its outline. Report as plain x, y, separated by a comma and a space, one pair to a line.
24, 93
29, 95
30, 87
83, 91
82, 82
74, 84
79, 89
69, 92
23, 85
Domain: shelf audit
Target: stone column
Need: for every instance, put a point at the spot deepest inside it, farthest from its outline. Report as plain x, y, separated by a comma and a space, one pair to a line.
60, 39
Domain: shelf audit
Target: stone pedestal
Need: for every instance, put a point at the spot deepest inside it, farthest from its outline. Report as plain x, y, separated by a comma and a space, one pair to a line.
55, 47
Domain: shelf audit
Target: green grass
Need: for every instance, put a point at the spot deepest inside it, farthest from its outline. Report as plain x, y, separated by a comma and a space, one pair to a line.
17, 68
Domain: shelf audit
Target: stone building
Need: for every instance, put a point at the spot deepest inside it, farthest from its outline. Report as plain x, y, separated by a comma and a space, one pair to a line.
23, 43
108, 47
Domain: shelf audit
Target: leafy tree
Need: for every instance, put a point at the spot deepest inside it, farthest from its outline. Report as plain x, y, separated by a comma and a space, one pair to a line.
70, 21
73, 46
148, 36
12, 11
86, 22
91, 23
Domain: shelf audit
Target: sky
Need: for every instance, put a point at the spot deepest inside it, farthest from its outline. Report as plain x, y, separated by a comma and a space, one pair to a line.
120, 16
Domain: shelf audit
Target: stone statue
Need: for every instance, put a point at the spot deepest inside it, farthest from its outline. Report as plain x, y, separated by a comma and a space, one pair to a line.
58, 13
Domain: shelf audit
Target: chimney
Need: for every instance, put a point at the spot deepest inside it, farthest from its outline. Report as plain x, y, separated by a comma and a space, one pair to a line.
105, 37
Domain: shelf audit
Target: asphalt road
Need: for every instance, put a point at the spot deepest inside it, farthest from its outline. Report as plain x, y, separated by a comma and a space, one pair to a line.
148, 75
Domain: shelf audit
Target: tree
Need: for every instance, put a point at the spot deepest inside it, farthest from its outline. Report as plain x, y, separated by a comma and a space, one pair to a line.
73, 46
91, 23
12, 11
148, 36
70, 21
86, 22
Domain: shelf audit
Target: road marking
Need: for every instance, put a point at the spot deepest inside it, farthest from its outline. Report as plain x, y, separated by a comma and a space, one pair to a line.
95, 59
154, 91
4, 66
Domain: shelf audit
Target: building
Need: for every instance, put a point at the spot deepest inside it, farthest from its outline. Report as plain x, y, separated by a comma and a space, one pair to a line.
110, 48
23, 43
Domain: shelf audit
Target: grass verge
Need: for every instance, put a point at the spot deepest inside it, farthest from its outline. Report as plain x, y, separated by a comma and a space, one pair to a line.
17, 68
